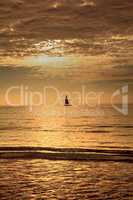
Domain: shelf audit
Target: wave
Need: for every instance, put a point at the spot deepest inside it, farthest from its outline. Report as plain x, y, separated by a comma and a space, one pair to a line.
89, 129
66, 154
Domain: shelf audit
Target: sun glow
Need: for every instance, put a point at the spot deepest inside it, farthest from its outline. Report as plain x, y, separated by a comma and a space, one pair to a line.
43, 60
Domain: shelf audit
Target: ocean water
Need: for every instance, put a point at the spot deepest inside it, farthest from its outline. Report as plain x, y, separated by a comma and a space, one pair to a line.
81, 127
69, 154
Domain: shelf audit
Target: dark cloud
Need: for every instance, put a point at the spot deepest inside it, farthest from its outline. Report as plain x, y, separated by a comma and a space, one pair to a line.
67, 27
62, 19
93, 22
65, 18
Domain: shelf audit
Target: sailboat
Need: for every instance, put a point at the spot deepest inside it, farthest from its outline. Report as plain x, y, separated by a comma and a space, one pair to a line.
67, 102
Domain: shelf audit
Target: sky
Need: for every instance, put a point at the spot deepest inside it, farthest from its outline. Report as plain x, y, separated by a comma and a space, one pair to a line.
66, 44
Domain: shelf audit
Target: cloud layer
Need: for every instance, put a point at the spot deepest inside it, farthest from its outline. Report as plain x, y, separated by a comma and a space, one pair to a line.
94, 37
24, 23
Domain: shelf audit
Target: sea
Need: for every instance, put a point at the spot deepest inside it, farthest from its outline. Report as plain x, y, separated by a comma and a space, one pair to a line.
66, 153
